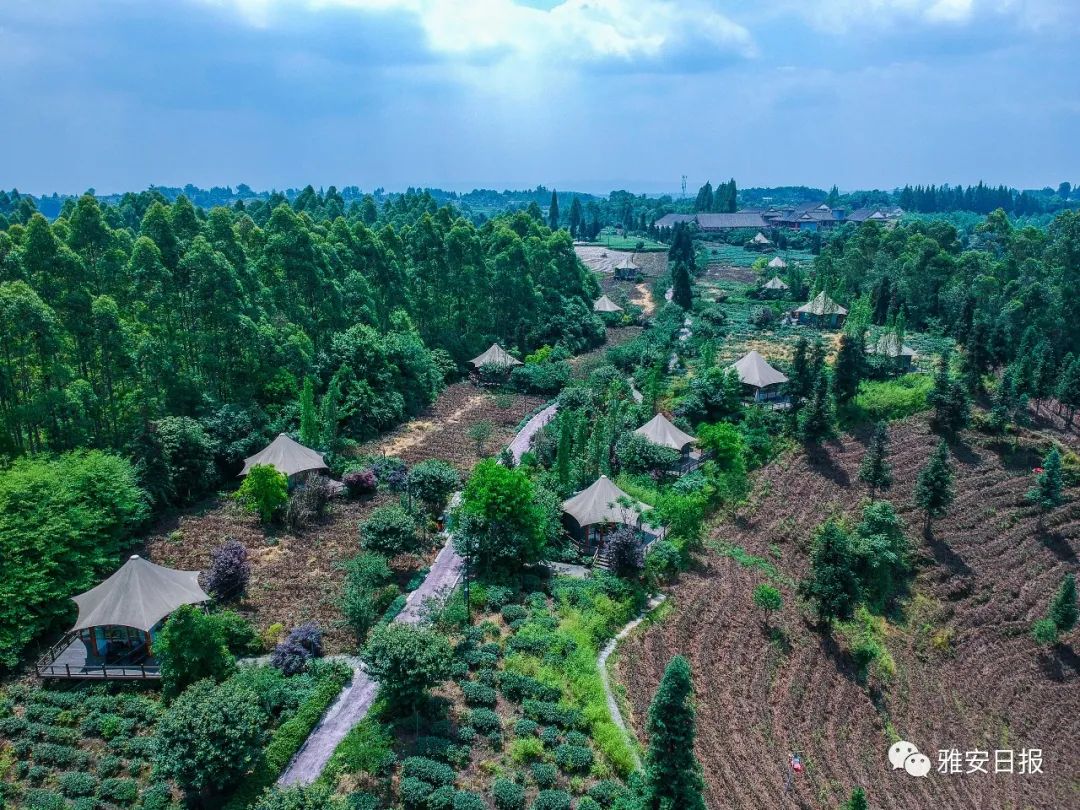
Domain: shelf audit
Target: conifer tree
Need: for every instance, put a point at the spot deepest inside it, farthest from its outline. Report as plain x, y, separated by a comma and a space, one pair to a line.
833, 582
1068, 389
576, 218
934, 491
1048, 490
817, 421
680, 282
800, 385
850, 367
952, 411
672, 773
1063, 609
875, 470
553, 212
857, 801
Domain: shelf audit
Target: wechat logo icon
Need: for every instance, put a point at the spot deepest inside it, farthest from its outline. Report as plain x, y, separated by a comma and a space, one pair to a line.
905, 756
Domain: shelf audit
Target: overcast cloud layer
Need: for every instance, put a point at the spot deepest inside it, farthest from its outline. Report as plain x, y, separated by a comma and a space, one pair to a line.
588, 94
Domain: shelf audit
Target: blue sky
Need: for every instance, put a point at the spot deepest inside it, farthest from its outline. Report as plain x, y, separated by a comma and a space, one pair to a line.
583, 94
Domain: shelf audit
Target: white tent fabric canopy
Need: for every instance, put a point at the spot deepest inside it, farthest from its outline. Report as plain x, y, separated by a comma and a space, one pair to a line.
761, 239
139, 595
605, 304
495, 356
755, 371
890, 346
777, 262
822, 305
287, 456
600, 504
775, 283
659, 430
626, 264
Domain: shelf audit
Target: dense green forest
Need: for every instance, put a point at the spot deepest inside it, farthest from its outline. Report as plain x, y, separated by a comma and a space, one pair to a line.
114, 316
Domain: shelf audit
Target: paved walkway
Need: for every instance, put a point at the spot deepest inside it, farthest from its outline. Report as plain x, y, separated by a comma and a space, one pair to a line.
359, 694
601, 663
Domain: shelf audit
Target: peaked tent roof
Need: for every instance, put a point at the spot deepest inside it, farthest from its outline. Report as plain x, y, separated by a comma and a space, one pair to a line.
891, 347
761, 239
287, 456
821, 304
754, 370
627, 264
495, 356
599, 504
659, 430
605, 304
139, 595
777, 262
775, 283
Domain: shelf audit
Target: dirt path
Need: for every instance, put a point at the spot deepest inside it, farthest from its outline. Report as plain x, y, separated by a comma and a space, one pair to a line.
644, 300
601, 663
414, 432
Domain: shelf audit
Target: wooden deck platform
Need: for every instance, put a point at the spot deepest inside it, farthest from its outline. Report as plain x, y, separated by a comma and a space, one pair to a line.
68, 659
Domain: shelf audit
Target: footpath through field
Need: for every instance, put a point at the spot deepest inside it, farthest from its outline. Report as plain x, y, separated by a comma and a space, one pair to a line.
356, 699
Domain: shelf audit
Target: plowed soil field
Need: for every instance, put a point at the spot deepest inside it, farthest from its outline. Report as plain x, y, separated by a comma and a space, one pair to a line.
968, 675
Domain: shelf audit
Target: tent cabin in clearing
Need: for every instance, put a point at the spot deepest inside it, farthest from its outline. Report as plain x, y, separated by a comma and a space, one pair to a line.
605, 304
821, 311
761, 242
592, 513
659, 430
288, 457
496, 355
774, 287
777, 263
891, 346
760, 380
114, 635
626, 270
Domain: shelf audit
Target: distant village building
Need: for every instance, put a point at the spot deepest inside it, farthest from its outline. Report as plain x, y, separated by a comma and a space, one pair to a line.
821, 311
814, 216
118, 620
777, 263
774, 288
605, 304
760, 380
288, 457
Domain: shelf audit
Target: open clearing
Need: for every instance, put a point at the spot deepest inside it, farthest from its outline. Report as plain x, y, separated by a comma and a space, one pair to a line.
968, 674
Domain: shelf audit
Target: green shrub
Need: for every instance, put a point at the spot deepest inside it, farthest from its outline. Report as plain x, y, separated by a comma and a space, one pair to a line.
76, 783
264, 491
389, 530
109, 765
497, 596
428, 770
544, 774
526, 749
525, 727
466, 734
467, 800
484, 720
513, 613
414, 793
550, 736
588, 803
156, 797
552, 713
37, 774
55, 755
41, 799
119, 791
552, 800
367, 748
13, 727
519, 687
442, 798
476, 694
508, 795
573, 758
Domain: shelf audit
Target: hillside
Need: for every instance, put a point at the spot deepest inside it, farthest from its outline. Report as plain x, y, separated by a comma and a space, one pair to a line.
968, 675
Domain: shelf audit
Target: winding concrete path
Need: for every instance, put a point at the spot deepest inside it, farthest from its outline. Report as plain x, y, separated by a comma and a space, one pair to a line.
356, 699
601, 663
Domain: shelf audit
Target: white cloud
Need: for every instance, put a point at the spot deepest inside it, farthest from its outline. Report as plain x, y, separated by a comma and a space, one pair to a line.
839, 16
576, 31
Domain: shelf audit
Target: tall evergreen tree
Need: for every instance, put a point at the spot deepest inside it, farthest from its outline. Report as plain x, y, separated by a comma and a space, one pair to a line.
1068, 389
1048, 491
1063, 608
934, 491
875, 470
553, 211
704, 201
672, 773
682, 292
857, 800
952, 410
576, 218
817, 421
849, 369
833, 582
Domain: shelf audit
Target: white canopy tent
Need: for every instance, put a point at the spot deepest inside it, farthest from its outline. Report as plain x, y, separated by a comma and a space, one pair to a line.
659, 430
605, 304
287, 456
496, 355
600, 503
755, 371
139, 595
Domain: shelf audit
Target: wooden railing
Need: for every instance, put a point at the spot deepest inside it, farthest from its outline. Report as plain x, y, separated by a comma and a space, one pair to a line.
47, 666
